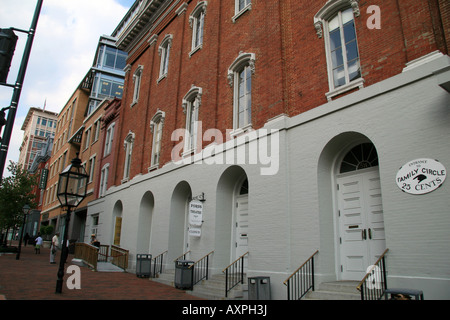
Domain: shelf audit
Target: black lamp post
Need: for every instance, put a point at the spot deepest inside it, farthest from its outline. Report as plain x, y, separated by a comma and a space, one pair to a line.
26, 208
72, 187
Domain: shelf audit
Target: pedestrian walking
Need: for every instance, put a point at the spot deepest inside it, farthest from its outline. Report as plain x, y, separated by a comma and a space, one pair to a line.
54, 248
26, 238
37, 248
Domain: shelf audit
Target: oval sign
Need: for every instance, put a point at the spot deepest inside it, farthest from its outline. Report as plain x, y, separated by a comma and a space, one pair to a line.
421, 176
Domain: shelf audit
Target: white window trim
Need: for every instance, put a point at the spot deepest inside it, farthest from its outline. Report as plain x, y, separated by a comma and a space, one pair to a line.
128, 146
321, 25
199, 9
104, 180
137, 79
109, 138
158, 119
237, 12
192, 99
92, 167
233, 73
164, 53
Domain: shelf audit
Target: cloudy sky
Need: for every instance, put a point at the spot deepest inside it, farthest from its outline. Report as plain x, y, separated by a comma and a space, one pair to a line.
63, 51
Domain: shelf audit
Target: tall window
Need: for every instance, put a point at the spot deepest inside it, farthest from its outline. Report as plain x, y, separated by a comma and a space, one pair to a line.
109, 139
191, 104
128, 146
137, 76
156, 126
240, 77
343, 48
164, 52
335, 22
104, 180
197, 21
91, 168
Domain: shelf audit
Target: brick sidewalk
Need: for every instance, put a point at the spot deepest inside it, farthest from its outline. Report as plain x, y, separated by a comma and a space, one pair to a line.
34, 278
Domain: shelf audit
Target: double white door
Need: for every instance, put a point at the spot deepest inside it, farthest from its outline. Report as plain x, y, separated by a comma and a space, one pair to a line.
361, 223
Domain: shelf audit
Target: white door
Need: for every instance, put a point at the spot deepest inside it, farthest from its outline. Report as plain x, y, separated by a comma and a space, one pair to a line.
241, 226
361, 223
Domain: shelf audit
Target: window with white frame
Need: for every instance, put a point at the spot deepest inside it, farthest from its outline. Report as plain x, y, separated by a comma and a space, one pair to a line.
109, 139
240, 78
91, 168
137, 77
128, 146
87, 136
197, 22
164, 52
191, 104
95, 222
104, 180
341, 46
96, 130
156, 126
241, 6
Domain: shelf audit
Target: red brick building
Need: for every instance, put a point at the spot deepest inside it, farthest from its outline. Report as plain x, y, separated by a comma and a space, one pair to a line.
334, 85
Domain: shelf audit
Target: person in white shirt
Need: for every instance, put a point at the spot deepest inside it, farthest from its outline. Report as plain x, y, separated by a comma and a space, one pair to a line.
54, 248
37, 248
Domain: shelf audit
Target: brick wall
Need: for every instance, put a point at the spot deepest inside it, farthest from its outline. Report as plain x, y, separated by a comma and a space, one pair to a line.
291, 74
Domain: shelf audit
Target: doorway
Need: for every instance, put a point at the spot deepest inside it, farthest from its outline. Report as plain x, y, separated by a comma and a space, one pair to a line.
361, 236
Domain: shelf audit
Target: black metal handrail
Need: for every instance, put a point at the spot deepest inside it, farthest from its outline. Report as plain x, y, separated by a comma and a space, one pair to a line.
158, 264
302, 280
201, 268
373, 285
234, 274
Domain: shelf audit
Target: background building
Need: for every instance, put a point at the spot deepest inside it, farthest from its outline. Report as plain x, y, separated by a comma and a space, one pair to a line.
39, 125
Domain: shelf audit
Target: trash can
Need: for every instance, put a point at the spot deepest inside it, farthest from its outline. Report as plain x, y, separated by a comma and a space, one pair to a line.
259, 288
143, 265
184, 274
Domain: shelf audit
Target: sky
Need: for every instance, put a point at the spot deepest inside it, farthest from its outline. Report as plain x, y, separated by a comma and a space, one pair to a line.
63, 50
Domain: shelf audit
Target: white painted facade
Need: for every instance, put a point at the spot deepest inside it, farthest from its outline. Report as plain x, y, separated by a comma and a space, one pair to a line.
296, 211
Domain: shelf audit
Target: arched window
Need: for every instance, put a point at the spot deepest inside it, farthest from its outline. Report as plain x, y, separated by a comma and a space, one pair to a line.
164, 52
191, 104
335, 22
128, 146
240, 78
362, 156
197, 21
156, 126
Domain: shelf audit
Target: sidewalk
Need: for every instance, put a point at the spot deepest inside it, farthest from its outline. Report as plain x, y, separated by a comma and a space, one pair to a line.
34, 278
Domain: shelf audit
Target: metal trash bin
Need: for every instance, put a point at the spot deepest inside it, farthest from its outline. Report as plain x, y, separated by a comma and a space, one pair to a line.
259, 288
144, 265
184, 274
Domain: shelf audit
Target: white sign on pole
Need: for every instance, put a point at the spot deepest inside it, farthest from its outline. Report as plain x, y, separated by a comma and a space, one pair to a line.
421, 176
195, 213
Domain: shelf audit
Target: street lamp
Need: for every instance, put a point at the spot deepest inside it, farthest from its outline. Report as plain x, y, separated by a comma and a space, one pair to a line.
26, 208
72, 186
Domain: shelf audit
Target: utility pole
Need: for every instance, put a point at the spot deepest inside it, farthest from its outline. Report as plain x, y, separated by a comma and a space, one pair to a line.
18, 88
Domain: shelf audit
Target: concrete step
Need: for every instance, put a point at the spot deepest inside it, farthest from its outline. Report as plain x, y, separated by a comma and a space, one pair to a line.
212, 289
167, 278
337, 290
